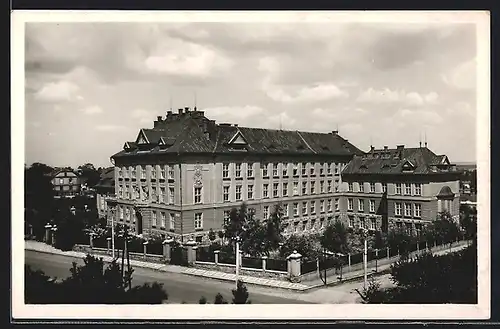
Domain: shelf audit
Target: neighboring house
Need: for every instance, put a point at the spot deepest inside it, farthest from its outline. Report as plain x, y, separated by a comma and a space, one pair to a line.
105, 188
185, 175
402, 187
66, 183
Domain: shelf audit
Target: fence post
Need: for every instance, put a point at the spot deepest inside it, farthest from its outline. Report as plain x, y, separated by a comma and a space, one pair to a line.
388, 255
108, 245
294, 265
145, 249
47, 233
264, 259
376, 260
191, 252
216, 256
317, 267
349, 261
167, 249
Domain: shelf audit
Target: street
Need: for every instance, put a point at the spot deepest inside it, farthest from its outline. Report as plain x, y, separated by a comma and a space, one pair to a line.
180, 287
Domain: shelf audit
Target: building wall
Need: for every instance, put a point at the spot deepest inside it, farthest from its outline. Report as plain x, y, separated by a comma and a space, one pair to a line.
66, 183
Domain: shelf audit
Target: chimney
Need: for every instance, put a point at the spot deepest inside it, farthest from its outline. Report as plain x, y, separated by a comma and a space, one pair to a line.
169, 113
400, 147
372, 148
385, 147
335, 132
236, 125
158, 118
180, 111
187, 109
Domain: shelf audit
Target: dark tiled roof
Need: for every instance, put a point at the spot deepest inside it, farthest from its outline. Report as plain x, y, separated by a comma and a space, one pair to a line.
418, 160
445, 192
185, 134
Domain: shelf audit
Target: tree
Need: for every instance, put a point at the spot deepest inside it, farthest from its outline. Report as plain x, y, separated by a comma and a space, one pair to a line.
306, 245
334, 238
468, 223
274, 228
240, 294
91, 283
444, 228
202, 300
211, 235
89, 174
219, 299
399, 239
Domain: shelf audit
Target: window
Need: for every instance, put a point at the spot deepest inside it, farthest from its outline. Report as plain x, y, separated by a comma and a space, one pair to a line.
313, 207
373, 224
303, 169
172, 221
171, 195
329, 168
351, 221
418, 189
162, 172
322, 187
121, 213
304, 188
337, 207
61, 181
285, 189
249, 169
154, 219
225, 170
295, 209
417, 210
198, 220
153, 172
295, 188
361, 187
398, 188
408, 209
143, 172
304, 225
407, 189
337, 168
266, 212
170, 172
313, 187
265, 191
322, 205
311, 169
264, 168
372, 187
350, 204
397, 209
226, 216
197, 195
296, 227
418, 229
384, 187
285, 210
238, 192
127, 214
164, 219
284, 169
275, 169
124, 172
362, 222
225, 193
295, 169
237, 172
304, 208
372, 205
408, 228
275, 190
120, 173
329, 186
132, 172
250, 192
321, 168
361, 205
350, 187
399, 225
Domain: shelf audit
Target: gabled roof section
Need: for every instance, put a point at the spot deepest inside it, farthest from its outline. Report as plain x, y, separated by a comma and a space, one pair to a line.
238, 139
142, 138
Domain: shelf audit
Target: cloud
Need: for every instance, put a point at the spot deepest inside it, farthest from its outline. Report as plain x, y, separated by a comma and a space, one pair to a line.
233, 112
387, 96
58, 91
142, 115
419, 117
316, 93
92, 110
462, 76
109, 127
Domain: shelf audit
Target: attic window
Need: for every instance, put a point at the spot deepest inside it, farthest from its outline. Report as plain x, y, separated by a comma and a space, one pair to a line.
408, 166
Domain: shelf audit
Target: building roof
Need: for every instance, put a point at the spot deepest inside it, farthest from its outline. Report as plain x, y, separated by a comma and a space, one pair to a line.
58, 171
107, 179
192, 132
400, 160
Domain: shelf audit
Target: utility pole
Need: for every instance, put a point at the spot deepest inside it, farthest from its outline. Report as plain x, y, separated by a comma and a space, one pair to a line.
237, 260
365, 258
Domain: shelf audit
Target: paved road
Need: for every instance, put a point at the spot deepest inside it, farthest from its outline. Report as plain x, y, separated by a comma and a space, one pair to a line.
180, 287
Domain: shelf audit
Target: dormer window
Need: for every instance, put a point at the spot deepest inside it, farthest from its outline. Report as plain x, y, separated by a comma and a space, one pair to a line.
142, 138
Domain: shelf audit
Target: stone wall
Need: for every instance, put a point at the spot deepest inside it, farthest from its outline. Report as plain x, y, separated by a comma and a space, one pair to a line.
254, 273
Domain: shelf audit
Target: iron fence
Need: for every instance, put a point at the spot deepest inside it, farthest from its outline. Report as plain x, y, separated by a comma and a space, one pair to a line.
226, 258
251, 262
308, 267
205, 255
276, 264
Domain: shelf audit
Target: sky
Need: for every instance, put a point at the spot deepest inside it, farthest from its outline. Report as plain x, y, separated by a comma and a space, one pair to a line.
89, 87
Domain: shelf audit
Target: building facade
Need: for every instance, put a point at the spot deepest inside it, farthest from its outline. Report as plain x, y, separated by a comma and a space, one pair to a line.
183, 177
105, 188
400, 187
66, 183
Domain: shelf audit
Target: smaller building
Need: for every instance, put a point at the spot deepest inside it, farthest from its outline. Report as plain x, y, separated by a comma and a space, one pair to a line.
66, 183
105, 188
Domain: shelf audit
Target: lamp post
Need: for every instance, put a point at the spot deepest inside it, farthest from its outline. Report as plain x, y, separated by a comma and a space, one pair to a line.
112, 233
237, 240
364, 232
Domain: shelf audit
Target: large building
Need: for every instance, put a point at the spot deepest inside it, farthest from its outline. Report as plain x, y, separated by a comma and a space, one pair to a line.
105, 188
183, 176
65, 182
402, 187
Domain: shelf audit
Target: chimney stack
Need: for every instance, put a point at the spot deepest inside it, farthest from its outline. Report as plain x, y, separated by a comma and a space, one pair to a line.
372, 148
400, 147
187, 109
180, 111
335, 132
158, 118
385, 147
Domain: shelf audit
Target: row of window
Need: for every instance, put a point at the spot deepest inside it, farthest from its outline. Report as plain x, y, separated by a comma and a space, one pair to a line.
63, 181
410, 210
361, 205
163, 220
306, 225
281, 169
131, 172
363, 224
400, 189
66, 188
277, 191
157, 195
409, 229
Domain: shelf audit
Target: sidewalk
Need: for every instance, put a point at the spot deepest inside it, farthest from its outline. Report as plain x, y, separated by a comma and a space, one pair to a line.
42, 247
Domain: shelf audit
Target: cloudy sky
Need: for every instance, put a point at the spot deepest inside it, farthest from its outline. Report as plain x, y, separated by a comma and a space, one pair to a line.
91, 86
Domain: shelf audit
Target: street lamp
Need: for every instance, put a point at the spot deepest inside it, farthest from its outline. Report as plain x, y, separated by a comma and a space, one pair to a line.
364, 233
237, 239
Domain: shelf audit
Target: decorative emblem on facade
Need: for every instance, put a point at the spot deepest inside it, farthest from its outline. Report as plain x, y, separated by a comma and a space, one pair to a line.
145, 194
198, 177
